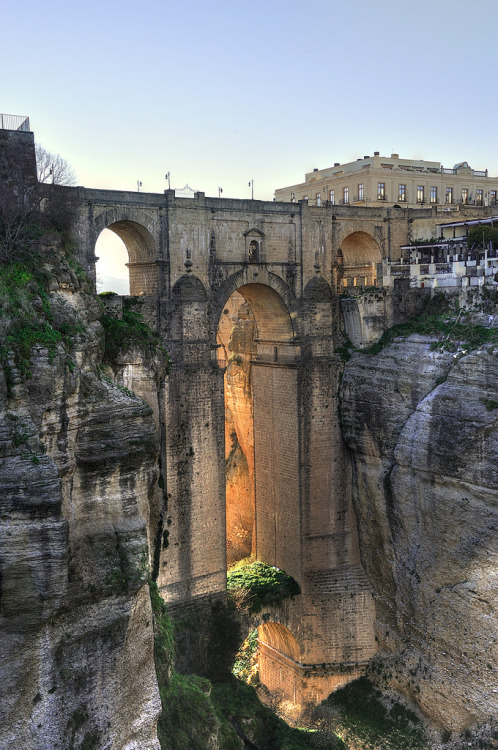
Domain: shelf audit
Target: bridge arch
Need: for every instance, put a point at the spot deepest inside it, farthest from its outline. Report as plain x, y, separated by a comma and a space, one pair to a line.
256, 343
138, 233
269, 297
357, 259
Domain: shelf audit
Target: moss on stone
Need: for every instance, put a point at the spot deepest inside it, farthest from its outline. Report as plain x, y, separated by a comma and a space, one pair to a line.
256, 585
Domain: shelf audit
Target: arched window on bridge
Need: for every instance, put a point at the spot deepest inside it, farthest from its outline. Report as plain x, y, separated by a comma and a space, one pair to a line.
253, 252
112, 271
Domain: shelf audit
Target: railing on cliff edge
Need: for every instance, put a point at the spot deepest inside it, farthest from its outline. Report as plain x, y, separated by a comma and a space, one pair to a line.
14, 122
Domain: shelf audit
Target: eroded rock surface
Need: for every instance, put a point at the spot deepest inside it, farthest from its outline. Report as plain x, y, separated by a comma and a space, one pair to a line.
423, 429
78, 471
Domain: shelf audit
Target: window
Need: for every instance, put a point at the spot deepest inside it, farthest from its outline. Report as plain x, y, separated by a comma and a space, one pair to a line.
433, 194
346, 195
465, 195
253, 252
332, 197
305, 197
318, 199
402, 193
360, 192
479, 198
449, 195
420, 193
492, 198
381, 191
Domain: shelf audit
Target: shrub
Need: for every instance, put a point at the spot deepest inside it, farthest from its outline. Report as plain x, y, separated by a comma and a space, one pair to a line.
256, 585
131, 330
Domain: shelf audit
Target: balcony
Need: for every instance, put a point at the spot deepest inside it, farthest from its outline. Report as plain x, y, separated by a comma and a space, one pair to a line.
14, 122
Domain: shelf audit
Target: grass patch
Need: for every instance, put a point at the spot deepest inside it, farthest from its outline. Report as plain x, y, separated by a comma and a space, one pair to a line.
359, 715
241, 713
253, 586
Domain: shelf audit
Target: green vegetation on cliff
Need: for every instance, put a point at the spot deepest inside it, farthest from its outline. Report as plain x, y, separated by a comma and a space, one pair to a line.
122, 334
359, 713
28, 318
442, 318
198, 714
256, 585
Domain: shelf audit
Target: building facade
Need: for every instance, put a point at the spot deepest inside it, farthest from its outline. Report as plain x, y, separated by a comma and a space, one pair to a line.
382, 180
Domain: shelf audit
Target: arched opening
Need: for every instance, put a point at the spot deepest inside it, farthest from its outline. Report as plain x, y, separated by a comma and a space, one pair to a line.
122, 238
279, 658
112, 269
253, 252
256, 344
358, 257
270, 657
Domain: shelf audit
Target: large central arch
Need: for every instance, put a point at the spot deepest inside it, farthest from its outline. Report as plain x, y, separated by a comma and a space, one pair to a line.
257, 342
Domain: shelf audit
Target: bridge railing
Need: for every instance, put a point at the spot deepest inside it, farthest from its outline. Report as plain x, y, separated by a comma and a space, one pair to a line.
14, 122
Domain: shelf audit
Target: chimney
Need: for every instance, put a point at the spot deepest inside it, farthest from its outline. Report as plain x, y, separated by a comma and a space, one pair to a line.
376, 153
394, 156
337, 164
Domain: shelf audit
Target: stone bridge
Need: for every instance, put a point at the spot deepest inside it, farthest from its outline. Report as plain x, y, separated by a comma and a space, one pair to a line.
244, 294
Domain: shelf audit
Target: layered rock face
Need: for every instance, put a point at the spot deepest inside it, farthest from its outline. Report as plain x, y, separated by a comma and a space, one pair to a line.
422, 426
78, 474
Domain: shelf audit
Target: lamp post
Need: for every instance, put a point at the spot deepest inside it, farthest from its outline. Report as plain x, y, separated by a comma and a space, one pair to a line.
251, 185
167, 176
139, 185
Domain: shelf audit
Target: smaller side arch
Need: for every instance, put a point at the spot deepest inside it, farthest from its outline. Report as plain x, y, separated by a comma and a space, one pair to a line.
188, 320
138, 233
360, 254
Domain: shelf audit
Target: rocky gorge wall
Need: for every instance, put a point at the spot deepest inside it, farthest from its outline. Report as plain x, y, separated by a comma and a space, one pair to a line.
422, 427
78, 475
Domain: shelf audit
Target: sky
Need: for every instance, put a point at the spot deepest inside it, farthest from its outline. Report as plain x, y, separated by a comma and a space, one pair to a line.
221, 93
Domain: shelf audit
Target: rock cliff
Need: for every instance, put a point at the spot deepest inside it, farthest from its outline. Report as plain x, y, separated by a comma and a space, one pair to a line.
422, 426
78, 474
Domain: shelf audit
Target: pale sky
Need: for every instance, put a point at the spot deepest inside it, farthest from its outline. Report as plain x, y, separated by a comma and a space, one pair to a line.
220, 92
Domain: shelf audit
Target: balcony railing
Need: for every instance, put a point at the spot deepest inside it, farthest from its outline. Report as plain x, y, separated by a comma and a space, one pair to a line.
14, 122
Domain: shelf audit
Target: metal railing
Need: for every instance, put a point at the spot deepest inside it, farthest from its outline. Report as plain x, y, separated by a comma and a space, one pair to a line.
14, 122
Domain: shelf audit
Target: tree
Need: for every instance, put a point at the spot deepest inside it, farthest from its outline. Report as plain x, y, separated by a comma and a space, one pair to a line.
483, 234
52, 168
19, 202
